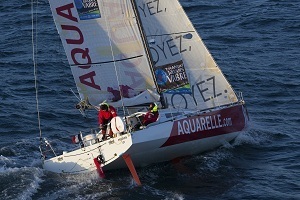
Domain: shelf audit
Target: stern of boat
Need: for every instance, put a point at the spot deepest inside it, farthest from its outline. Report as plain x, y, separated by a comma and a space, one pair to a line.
84, 159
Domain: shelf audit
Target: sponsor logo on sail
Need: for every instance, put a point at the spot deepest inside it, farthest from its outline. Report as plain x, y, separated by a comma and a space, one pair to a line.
172, 78
79, 54
87, 9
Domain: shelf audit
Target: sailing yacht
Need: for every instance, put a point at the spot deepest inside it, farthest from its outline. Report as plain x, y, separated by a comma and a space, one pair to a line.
129, 53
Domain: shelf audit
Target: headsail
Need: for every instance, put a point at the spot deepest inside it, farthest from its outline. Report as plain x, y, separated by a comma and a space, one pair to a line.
179, 54
104, 48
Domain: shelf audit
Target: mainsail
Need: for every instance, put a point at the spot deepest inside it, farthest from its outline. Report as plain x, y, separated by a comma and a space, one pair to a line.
179, 54
120, 49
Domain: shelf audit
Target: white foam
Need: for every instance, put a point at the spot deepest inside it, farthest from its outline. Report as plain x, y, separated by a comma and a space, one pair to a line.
5, 162
166, 195
26, 179
34, 185
79, 186
253, 135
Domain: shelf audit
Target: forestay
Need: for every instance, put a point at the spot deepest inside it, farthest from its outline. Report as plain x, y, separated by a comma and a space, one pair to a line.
104, 49
179, 54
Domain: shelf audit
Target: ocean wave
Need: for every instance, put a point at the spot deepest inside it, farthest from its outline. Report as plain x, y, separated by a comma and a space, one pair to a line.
20, 183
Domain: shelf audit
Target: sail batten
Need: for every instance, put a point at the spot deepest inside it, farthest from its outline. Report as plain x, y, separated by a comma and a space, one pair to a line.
166, 34
111, 61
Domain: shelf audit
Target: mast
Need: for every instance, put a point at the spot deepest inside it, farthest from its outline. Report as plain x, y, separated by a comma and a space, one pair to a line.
146, 46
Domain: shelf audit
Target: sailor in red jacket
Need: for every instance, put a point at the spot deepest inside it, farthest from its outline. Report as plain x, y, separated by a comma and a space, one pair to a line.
149, 117
152, 114
105, 114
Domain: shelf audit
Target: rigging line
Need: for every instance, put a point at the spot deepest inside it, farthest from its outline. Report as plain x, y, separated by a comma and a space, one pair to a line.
75, 94
34, 51
112, 53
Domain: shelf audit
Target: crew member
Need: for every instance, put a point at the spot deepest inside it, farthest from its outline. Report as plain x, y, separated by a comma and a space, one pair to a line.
152, 114
105, 114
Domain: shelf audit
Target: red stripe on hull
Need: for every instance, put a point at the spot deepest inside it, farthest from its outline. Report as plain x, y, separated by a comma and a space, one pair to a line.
206, 125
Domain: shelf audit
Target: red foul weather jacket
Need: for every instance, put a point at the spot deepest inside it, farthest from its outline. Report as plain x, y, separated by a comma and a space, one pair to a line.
104, 116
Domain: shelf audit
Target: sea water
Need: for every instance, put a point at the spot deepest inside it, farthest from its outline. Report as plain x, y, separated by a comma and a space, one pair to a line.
255, 43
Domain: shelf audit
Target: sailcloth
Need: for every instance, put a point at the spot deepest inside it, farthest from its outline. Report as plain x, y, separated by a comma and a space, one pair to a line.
104, 48
179, 54
120, 49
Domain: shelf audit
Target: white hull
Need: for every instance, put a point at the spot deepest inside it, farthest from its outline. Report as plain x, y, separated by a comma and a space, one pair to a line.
162, 141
